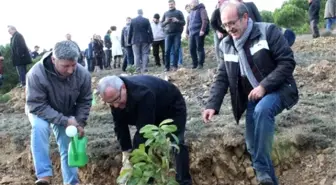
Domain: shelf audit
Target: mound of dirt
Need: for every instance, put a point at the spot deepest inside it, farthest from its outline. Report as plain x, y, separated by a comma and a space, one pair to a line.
321, 44
321, 75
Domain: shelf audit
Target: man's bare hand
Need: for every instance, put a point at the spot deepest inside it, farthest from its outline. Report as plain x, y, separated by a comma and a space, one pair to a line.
207, 115
174, 19
257, 93
201, 33
219, 34
72, 121
2, 58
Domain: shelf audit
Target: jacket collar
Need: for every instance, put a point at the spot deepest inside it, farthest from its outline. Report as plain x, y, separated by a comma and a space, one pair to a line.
254, 34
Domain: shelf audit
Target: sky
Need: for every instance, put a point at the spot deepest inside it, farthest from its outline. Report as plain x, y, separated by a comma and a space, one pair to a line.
45, 22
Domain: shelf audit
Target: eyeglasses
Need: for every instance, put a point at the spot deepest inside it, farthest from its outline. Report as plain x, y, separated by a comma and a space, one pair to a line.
230, 24
117, 99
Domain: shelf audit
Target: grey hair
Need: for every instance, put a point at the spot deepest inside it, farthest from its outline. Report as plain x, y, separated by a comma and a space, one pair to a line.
66, 50
114, 82
241, 7
11, 27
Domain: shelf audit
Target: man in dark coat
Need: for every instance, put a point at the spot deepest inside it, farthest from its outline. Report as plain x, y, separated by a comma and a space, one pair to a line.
127, 47
257, 66
314, 16
140, 35
142, 100
20, 54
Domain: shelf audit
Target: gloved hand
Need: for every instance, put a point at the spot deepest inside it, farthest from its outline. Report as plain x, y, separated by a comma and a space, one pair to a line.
126, 165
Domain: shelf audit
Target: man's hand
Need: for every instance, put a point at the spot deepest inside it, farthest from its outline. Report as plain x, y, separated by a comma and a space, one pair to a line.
257, 93
201, 33
72, 121
2, 58
126, 164
219, 34
186, 36
207, 115
174, 19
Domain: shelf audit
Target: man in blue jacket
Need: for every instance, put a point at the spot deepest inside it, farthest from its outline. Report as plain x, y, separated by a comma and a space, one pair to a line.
257, 65
142, 100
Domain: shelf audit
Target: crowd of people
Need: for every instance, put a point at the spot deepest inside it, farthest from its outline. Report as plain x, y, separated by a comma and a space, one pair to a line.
256, 66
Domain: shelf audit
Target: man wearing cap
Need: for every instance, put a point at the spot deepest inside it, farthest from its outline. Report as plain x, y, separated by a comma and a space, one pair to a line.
159, 39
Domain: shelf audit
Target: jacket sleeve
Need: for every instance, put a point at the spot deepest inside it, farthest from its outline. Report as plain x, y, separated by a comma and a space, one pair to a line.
256, 13
130, 33
121, 129
163, 21
20, 46
150, 32
282, 56
187, 26
205, 19
219, 87
123, 37
84, 101
37, 102
214, 22
181, 19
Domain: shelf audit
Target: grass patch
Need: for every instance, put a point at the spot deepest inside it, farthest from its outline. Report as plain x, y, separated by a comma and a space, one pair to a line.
4, 98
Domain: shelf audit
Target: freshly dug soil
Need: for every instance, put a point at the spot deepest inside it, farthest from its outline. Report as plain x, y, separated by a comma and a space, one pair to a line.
304, 146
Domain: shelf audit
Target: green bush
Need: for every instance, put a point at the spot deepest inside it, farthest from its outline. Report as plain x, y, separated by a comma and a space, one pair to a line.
267, 16
290, 16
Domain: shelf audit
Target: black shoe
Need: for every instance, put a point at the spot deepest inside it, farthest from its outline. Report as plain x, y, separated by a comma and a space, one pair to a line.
42, 182
166, 70
200, 67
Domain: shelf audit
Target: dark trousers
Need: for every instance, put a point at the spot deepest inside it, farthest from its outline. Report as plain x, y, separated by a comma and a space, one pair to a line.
170, 41
108, 58
156, 51
90, 63
22, 71
128, 57
196, 48
99, 62
314, 17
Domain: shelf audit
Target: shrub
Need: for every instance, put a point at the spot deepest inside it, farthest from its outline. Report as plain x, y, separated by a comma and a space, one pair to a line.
153, 164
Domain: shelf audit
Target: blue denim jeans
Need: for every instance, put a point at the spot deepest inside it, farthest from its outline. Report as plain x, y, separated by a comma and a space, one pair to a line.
172, 42
260, 125
329, 23
40, 145
180, 59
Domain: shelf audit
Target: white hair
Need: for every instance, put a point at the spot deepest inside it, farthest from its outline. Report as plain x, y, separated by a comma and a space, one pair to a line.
109, 81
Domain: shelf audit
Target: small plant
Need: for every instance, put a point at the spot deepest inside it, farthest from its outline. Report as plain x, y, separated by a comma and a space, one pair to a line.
151, 161
131, 69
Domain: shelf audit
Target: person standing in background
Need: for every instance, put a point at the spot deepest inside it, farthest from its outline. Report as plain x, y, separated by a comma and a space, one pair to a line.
20, 54
314, 17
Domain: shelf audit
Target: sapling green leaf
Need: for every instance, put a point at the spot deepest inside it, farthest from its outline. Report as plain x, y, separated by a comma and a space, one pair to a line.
169, 128
166, 122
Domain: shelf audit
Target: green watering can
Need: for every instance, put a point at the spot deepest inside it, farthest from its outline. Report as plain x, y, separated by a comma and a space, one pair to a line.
77, 156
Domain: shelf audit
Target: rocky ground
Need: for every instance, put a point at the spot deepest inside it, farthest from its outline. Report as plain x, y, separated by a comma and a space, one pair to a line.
304, 148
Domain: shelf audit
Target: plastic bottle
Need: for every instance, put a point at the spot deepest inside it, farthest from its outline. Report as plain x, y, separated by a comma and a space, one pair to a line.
77, 156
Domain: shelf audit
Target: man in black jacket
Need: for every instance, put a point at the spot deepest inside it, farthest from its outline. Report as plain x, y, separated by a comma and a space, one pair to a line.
314, 17
140, 35
216, 22
257, 66
173, 22
142, 100
127, 47
20, 54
